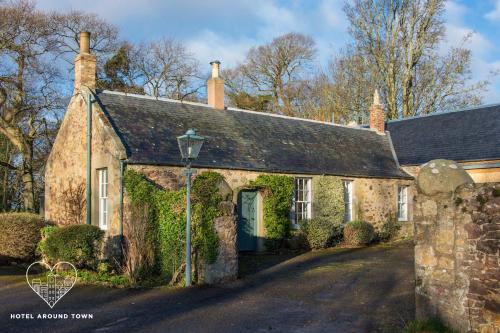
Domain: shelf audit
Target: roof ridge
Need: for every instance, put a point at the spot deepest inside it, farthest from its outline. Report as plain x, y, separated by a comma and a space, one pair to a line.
472, 108
163, 99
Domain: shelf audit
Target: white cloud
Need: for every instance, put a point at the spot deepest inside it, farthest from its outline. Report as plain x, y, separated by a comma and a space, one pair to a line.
494, 15
208, 46
331, 12
481, 47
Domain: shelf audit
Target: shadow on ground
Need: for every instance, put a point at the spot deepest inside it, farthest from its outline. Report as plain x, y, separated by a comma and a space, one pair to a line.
335, 290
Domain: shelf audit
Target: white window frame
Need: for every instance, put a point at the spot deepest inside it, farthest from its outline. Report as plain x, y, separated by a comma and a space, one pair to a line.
103, 198
348, 202
306, 201
402, 203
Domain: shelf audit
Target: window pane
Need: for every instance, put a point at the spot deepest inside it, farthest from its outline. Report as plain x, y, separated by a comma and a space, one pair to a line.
302, 199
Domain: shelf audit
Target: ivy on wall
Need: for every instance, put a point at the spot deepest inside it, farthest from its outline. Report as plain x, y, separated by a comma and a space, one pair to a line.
277, 198
328, 199
168, 219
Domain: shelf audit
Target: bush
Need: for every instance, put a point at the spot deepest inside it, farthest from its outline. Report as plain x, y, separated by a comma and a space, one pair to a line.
320, 232
79, 244
19, 236
433, 325
328, 201
277, 193
358, 233
45, 232
389, 230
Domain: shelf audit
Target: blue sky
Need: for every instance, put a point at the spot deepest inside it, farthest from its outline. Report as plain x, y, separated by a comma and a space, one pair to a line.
226, 29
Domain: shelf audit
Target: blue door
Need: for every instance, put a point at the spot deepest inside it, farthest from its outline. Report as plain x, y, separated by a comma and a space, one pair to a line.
247, 221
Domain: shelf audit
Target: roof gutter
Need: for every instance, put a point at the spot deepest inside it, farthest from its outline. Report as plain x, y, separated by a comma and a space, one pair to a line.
486, 165
279, 171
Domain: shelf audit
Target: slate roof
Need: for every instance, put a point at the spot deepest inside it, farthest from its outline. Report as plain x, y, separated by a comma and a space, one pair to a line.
467, 135
246, 140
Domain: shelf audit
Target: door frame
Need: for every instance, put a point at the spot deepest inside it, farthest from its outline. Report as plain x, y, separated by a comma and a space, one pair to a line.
259, 231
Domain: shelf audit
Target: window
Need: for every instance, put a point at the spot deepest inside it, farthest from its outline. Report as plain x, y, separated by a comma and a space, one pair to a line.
103, 198
302, 199
403, 203
347, 200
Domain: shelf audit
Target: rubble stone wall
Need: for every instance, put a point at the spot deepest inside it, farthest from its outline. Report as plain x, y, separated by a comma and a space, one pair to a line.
457, 262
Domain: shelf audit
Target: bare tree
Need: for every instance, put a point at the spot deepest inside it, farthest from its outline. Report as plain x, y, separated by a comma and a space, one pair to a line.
31, 42
25, 84
274, 69
66, 28
401, 40
166, 69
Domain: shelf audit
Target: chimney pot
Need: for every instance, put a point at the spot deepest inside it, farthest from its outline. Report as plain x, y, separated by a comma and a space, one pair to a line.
84, 42
215, 68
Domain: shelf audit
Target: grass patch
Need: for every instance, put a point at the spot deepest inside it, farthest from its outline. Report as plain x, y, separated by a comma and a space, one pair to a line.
348, 266
100, 278
433, 325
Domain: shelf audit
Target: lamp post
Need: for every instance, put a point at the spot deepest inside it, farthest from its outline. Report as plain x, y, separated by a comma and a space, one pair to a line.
190, 146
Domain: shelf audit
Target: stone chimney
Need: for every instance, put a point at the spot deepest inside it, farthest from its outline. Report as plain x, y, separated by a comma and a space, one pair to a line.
215, 88
377, 115
85, 65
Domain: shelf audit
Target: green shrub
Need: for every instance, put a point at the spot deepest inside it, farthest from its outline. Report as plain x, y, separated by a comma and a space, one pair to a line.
320, 232
45, 232
433, 325
78, 244
206, 199
389, 230
278, 192
328, 201
19, 236
358, 233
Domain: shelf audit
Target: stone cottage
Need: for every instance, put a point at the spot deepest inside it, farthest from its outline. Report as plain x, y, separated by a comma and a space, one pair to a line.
105, 132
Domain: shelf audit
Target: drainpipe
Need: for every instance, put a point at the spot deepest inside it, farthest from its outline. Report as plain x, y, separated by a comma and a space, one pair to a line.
122, 170
89, 158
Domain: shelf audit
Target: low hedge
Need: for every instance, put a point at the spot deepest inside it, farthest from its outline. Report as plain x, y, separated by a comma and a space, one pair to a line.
19, 236
358, 233
79, 244
320, 232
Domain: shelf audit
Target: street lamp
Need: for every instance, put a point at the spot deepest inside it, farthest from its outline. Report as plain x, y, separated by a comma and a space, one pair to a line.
190, 146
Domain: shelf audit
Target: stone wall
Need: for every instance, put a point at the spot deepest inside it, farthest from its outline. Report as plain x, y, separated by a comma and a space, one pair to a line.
457, 238
374, 200
66, 169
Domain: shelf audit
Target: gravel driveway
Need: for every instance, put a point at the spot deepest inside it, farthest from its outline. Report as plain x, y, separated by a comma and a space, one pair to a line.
335, 290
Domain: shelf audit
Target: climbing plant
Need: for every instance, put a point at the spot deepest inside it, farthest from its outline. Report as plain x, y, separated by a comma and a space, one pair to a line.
277, 197
328, 201
167, 217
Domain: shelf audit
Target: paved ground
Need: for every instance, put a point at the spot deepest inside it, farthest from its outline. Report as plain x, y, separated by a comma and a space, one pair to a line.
336, 290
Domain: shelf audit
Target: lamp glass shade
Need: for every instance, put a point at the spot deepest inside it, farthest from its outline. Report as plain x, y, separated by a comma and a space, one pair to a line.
190, 144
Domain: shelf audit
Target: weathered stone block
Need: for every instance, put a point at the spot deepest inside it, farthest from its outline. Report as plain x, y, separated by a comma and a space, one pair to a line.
225, 267
441, 176
425, 256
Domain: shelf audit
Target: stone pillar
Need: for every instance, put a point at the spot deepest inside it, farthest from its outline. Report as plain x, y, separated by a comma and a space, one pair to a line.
225, 267
456, 248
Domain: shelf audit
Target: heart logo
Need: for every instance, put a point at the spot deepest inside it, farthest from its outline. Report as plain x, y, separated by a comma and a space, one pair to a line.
50, 285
